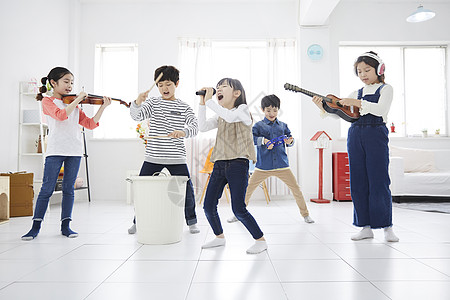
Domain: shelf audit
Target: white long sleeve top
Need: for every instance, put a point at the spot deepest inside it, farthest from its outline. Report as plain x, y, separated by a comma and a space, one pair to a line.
380, 109
239, 114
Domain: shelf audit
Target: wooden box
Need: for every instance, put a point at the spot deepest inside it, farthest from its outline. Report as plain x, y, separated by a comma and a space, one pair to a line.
4, 199
21, 194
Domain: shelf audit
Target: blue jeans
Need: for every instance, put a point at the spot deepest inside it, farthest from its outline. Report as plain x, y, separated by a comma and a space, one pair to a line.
148, 169
368, 155
235, 173
51, 171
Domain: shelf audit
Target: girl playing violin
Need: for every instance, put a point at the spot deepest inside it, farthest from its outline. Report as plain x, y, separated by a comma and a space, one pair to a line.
65, 145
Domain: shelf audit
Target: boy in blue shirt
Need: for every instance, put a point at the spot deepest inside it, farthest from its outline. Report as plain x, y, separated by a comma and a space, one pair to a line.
272, 159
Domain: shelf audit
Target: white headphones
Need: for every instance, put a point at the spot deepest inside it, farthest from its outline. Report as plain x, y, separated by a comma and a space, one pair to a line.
381, 66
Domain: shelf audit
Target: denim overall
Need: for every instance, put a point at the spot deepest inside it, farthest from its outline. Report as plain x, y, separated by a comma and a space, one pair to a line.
368, 153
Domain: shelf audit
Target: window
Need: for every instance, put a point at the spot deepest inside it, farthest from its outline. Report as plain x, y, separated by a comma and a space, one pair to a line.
419, 84
262, 67
116, 72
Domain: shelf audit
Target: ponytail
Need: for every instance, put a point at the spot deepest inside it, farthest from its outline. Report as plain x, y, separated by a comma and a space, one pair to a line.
42, 89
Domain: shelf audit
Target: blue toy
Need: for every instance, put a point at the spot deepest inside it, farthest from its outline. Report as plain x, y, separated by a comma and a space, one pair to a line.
277, 141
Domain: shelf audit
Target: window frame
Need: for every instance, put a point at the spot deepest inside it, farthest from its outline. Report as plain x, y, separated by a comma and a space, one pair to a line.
402, 95
98, 80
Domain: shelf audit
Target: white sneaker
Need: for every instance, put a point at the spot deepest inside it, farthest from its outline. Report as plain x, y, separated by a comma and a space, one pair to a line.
232, 219
389, 235
365, 233
194, 229
132, 229
258, 247
217, 242
308, 219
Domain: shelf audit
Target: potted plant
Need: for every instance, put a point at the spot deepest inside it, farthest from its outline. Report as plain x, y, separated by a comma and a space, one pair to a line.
424, 132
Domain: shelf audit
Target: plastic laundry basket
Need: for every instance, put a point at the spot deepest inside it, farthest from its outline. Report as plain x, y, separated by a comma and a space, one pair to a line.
159, 206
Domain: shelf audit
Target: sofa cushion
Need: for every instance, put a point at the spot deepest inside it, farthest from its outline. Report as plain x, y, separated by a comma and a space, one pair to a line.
415, 160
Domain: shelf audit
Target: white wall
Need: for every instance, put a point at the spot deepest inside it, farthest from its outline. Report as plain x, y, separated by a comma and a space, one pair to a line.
34, 38
48, 33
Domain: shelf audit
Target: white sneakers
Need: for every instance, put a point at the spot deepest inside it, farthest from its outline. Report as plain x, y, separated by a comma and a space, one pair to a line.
132, 229
367, 233
217, 242
194, 229
232, 219
258, 247
389, 235
308, 220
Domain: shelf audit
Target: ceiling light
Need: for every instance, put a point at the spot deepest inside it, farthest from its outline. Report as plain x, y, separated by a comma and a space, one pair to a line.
420, 15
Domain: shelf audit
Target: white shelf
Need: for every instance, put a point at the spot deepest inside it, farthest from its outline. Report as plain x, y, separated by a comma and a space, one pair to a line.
28, 159
30, 124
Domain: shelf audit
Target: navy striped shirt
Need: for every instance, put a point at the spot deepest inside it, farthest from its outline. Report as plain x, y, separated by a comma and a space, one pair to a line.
164, 117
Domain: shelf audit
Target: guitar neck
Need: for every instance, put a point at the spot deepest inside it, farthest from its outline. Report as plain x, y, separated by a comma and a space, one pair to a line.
311, 94
297, 89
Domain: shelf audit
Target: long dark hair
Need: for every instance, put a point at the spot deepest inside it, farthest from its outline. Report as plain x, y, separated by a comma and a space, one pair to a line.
55, 74
237, 86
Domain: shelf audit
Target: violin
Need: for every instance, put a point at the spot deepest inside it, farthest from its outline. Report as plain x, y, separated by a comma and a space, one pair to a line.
90, 99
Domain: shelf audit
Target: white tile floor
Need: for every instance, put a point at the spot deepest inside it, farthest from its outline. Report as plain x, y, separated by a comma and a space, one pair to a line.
304, 261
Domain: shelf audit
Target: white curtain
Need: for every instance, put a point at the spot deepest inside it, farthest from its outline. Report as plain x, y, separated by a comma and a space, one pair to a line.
283, 69
197, 69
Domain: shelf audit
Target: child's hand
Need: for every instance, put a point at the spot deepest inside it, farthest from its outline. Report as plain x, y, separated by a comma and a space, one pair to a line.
209, 93
177, 134
289, 140
80, 97
207, 96
202, 97
318, 101
265, 143
106, 101
350, 102
142, 97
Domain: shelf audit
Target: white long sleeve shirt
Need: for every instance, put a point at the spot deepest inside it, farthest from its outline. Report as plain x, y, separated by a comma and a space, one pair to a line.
380, 109
239, 114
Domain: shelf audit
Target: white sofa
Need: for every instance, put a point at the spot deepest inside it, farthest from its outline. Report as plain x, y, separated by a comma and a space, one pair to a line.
419, 173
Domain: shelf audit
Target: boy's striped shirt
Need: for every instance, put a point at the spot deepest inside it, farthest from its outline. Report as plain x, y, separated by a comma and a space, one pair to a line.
164, 117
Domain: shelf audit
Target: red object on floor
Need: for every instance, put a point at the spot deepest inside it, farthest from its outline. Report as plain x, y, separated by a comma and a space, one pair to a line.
320, 196
341, 177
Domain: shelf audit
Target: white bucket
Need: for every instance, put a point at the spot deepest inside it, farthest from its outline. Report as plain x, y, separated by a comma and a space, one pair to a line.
159, 206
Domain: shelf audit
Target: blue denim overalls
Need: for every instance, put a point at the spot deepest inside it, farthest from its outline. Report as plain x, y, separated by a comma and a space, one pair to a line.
368, 152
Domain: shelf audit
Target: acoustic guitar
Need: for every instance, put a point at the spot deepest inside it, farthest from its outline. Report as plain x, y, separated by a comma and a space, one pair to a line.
330, 104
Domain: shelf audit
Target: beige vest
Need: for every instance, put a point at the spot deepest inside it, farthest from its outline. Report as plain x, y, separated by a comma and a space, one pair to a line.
234, 140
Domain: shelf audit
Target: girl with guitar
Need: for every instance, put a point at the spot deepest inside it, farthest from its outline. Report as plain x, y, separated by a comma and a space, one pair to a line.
368, 152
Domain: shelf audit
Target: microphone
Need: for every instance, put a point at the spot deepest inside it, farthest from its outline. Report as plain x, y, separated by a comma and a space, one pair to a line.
203, 92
